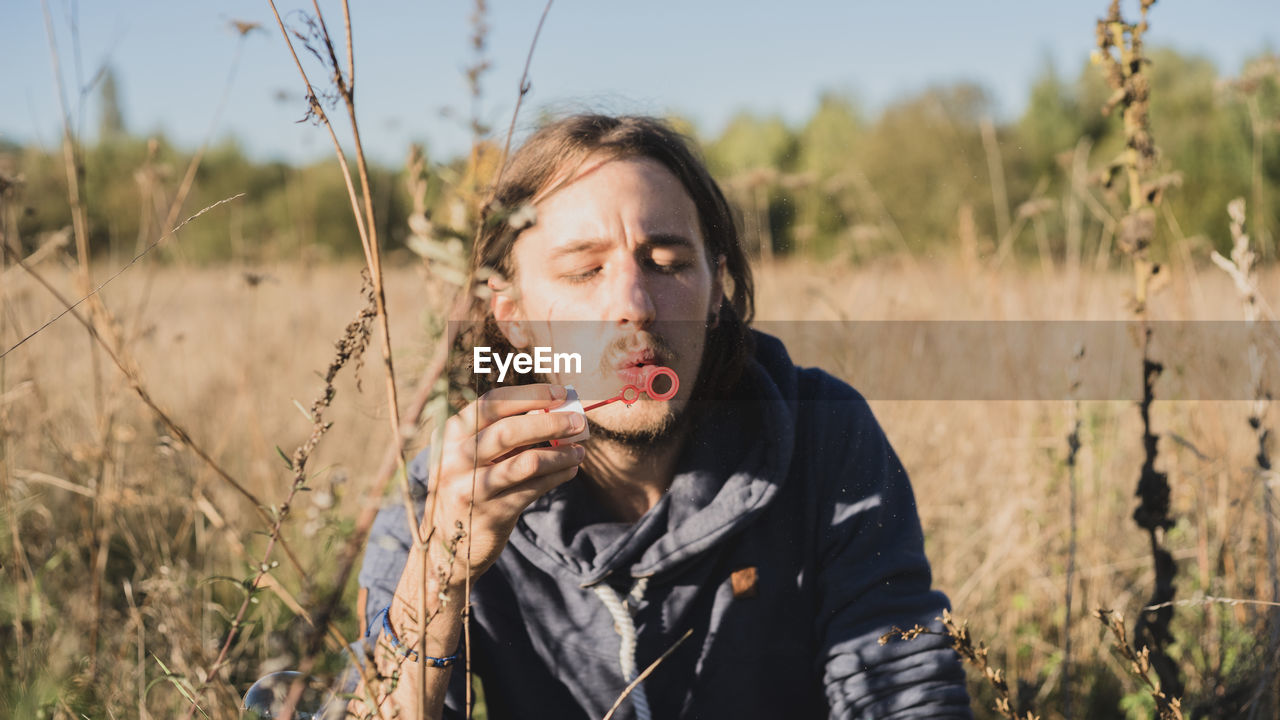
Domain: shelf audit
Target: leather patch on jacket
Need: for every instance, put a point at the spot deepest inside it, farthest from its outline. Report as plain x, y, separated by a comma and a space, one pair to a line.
744, 582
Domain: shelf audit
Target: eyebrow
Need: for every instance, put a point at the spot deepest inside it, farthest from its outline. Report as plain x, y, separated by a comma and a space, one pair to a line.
669, 240
652, 241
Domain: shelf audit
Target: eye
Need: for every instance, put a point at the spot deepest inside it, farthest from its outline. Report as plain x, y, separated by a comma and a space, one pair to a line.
581, 277
668, 266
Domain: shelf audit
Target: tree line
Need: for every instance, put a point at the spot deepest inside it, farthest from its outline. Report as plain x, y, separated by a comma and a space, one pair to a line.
933, 172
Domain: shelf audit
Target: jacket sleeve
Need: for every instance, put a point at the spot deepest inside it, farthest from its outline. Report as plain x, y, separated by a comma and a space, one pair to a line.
873, 576
387, 549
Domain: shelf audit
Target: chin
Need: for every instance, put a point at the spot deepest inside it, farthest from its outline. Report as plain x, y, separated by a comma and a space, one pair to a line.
641, 424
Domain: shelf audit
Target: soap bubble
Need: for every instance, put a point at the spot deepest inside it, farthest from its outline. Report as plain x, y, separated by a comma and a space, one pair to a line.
266, 698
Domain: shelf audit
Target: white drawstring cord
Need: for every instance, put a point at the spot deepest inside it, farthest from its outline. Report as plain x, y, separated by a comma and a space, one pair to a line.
626, 629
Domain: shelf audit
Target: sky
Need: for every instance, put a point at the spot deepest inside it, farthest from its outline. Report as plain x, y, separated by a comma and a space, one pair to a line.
175, 61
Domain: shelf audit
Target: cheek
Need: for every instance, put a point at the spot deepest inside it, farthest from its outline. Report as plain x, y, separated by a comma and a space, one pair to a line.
565, 324
686, 296
539, 301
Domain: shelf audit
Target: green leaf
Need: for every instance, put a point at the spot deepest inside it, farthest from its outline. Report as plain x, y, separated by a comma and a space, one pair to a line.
287, 462
238, 582
176, 680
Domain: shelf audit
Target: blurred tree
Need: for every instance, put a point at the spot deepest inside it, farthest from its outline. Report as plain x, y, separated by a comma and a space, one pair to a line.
1202, 139
1256, 92
829, 145
751, 143
111, 119
1052, 123
923, 160
750, 156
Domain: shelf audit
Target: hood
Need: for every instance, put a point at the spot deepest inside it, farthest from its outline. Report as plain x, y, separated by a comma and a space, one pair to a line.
734, 462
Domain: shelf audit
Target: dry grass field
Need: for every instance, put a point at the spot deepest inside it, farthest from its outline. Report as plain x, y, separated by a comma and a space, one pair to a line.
174, 513
229, 353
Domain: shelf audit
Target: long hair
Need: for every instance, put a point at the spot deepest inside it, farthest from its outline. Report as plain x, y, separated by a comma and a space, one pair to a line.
556, 151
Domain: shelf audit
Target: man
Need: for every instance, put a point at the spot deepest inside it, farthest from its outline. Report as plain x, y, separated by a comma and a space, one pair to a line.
760, 514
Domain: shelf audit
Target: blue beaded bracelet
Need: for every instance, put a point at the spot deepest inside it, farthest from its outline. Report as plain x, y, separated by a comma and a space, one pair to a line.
390, 634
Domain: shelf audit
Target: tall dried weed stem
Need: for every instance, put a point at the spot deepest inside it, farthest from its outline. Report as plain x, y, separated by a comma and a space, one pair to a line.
1120, 53
105, 332
974, 654
1073, 453
1241, 267
317, 40
1138, 664
106, 335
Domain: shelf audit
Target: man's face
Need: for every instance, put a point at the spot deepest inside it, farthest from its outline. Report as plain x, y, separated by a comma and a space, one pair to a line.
620, 246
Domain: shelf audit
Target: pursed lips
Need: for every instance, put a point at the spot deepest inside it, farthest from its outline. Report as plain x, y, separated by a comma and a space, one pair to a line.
645, 356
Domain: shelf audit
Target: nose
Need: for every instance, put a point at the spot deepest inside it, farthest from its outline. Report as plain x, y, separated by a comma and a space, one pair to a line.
629, 300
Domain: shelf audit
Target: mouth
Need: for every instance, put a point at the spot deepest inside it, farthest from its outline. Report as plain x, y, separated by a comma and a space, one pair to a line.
638, 359
633, 368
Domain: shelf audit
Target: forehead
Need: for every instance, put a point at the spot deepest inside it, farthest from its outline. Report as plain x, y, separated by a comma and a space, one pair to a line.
615, 199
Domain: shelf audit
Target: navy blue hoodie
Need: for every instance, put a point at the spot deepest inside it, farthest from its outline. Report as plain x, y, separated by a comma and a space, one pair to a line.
788, 543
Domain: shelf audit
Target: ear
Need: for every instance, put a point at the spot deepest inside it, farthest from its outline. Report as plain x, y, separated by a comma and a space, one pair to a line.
504, 302
717, 293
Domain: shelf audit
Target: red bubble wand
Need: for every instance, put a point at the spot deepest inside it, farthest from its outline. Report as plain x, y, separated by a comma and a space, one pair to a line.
631, 393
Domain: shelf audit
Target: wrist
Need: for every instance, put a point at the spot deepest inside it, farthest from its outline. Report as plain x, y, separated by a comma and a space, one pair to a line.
401, 633
404, 650
430, 589
446, 563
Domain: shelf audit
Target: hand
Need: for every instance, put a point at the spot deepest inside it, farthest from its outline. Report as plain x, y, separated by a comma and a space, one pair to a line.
490, 472
488, 446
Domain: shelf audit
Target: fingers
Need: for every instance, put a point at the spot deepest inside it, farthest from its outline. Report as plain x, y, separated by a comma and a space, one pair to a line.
521, 496
529, 469
506, 402
512, 433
